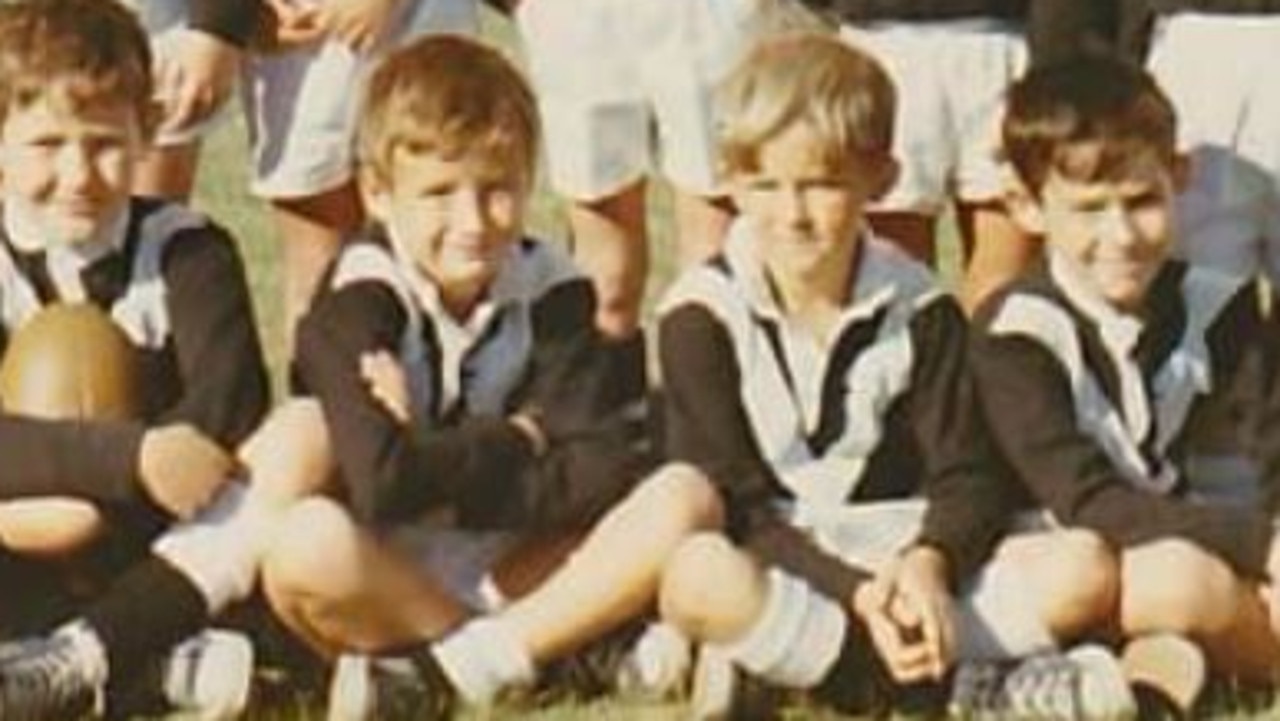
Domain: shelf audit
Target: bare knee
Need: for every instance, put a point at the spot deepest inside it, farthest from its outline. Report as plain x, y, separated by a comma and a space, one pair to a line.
678, 500
289, 456
1083, 583
313, 554
1178, 587
710, 589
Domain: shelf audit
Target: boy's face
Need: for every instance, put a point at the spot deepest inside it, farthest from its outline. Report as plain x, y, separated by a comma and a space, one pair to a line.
807, 213
456, 217
69, 170
1118, 232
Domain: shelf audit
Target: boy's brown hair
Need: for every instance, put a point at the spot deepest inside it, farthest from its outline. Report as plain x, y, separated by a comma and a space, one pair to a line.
449, 95
1090, 117
841, 93
79, 53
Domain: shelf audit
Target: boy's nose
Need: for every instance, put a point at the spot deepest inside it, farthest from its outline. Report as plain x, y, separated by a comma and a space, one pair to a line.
75, 166
1116, 226
794, 210
468, 212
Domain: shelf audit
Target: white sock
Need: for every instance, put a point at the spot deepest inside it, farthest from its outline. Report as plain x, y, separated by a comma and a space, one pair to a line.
88, 650
797, 638
995, 620
662, 658
219, 549
483, 658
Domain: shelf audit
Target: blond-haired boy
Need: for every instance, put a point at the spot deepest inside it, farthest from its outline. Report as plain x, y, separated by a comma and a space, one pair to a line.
818, 376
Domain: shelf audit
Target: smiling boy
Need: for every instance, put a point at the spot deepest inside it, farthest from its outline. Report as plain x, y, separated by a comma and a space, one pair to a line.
1094, 371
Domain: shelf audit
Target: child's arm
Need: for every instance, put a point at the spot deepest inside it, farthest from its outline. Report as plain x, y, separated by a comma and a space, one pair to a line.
970, 500
707, 426
225, 391
1025, 395
389, 472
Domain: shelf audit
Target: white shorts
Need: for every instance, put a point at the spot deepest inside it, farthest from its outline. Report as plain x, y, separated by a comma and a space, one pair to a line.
614, 76
951, 78
459, 560
994, 619
1229, 121
301, 105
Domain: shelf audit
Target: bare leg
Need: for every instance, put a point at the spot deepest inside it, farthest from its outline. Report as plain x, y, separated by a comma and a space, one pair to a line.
1174, 586
701, 223
610, 243
311, 229
913, 232
168, 172
49, 527
998, 250
593, 592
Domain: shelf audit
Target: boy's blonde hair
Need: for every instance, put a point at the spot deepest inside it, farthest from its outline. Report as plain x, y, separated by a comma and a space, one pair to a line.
1089, 117
448, 95
78, 53
843, 95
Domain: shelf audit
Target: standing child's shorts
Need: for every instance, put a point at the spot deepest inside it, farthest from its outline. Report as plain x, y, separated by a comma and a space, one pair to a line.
301, 104
614, 76
951, 78
1217, 70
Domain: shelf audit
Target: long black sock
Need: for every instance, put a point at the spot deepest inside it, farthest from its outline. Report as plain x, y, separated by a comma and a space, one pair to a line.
151, 608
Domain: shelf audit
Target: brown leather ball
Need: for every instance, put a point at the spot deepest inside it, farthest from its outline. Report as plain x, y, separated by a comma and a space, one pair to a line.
70, 361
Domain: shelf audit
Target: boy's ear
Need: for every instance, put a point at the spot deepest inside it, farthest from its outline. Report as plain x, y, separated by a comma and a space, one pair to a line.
374, 195
1023, 206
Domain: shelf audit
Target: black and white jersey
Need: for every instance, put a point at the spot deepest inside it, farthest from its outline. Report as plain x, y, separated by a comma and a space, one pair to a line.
176, 287
464, 376
788, 429
1092, 406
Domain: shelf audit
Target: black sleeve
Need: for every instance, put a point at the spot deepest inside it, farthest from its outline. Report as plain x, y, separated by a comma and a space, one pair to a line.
232, 20
1244, 347
588, 394
226, 391
707, 426
1025, 395
391, 473
222, 374
970, 498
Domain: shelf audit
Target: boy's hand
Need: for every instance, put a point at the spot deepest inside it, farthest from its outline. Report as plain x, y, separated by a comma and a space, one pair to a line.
920, 583
194, 73
358, 24
387, 382
182, 469
291, 24
905, 658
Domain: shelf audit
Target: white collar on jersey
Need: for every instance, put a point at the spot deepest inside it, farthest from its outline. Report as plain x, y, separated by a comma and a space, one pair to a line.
65, 261
883, 273
1119, 330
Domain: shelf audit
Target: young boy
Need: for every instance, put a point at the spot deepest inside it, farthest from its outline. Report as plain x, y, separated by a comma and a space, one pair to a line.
299, 84
75, 115
474, 414
818, 376
1096, 371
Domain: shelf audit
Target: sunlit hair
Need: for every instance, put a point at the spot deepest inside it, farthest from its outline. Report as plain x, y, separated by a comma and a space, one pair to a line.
452, 96
840, 93
76, 54
1091, 117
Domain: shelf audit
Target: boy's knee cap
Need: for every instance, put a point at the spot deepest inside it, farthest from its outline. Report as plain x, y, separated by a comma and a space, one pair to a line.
1178, 587
685, 495
707, 577
308, 545
1089, 583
